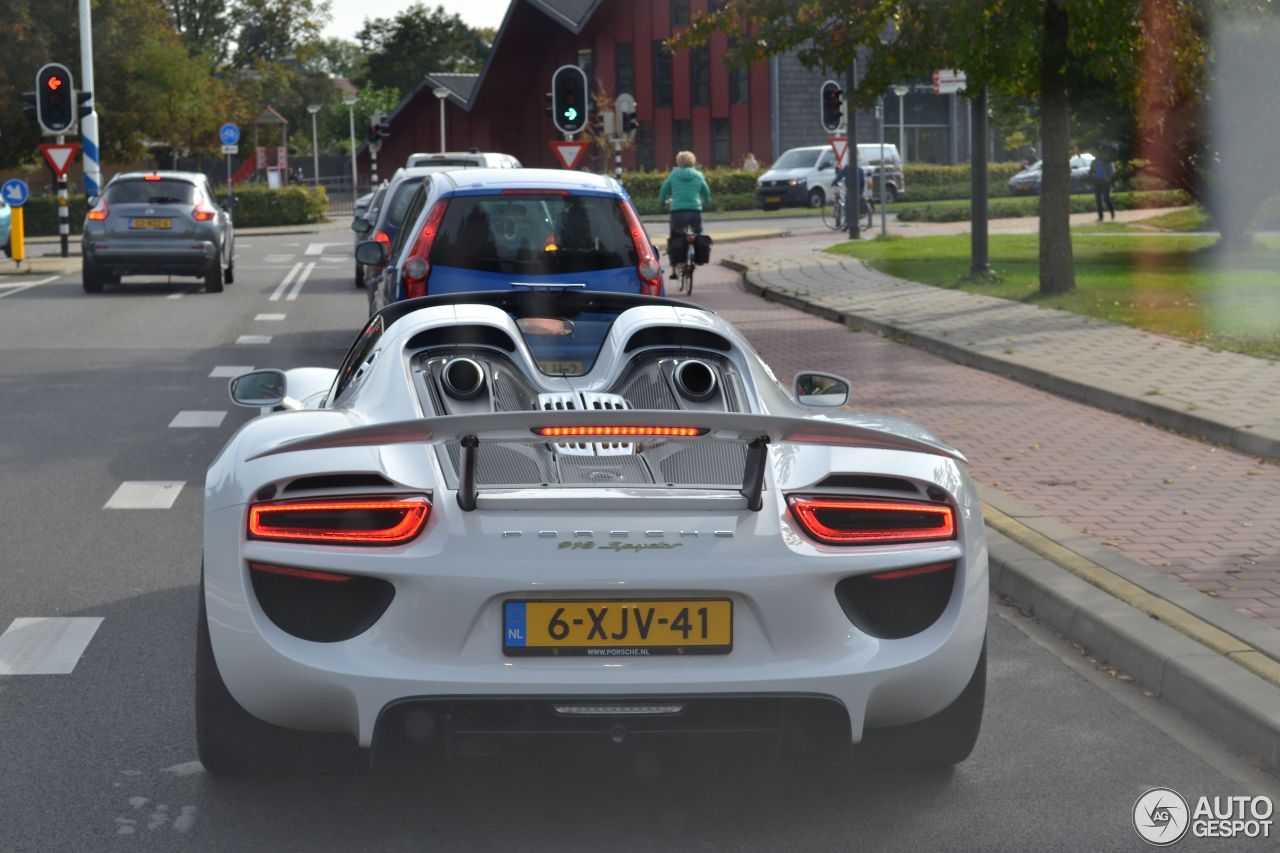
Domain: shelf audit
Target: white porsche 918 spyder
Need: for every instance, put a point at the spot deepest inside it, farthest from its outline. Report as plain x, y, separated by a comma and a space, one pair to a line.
511, 513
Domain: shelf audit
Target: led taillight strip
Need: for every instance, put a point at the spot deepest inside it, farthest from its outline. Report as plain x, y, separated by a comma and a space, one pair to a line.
271, 521
914, 571
656, 431
936, 521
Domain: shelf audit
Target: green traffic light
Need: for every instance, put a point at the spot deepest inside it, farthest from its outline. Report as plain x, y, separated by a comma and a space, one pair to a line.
571, 114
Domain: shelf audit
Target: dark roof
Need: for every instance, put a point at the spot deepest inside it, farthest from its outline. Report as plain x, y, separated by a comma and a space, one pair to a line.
461, 85
573, 14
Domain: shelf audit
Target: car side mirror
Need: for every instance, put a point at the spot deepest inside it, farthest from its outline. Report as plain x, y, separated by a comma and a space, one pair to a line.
228, 203
360, 225
371, 253
258, 389
820, 390
825, 166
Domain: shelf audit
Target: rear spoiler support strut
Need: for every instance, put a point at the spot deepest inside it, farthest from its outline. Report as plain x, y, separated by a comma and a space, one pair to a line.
753, 475
467, 476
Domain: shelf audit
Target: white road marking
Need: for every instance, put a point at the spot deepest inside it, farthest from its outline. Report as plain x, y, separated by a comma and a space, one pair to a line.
253, 340
302, 279
318, 248
229, 371
284, 284
176, 295
186, 768
240, 244
336, 259
192, 419
277, 259
11, 289
145, 494
45, 645
269, 318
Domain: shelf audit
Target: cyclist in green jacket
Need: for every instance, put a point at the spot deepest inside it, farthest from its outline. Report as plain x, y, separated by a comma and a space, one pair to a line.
688, 193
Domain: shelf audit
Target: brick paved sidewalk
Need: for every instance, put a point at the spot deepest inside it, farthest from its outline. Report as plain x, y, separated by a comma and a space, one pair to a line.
1203, 515
1225, 397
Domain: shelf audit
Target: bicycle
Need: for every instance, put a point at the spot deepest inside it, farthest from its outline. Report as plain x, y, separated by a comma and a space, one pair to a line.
686, 269
833, 213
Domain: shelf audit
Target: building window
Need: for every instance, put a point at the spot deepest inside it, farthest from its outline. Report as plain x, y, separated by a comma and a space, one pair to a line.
700, 75
661, 74
624, 69
679, 13
739, 87
644, 146
720, 150
588, 67
683, 129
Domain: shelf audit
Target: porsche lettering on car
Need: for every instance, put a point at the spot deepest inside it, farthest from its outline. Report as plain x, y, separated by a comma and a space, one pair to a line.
583, 513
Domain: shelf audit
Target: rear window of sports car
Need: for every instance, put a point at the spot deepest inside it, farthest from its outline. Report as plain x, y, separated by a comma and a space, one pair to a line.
534, 235
151, 192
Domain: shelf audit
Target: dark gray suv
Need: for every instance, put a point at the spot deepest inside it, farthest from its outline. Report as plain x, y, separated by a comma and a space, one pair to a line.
158, 223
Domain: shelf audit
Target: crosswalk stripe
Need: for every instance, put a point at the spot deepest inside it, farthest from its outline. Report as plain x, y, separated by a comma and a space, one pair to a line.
269, 318
145, 494
45, 645
194, 419
229, 371
253, 340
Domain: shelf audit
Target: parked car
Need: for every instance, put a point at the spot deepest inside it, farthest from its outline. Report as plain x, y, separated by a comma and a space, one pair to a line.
1027, 182
803, 176
494, 229
472, 159
444, 540
366, 213
6, 221
158, 223
386, 214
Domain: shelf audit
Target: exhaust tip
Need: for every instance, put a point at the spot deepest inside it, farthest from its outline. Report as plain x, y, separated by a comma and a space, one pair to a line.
695, 379
462, 378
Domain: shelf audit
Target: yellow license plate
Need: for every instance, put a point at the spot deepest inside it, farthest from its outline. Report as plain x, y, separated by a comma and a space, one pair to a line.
151, 224
621, 628
773, 199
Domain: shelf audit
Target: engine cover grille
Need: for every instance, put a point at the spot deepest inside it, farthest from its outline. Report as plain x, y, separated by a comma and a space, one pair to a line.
572, 401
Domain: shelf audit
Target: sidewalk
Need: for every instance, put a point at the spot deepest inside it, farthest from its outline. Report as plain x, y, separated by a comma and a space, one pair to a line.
1223, 397
1158, 554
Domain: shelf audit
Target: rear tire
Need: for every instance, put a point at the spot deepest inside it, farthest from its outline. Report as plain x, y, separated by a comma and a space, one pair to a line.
940, 741
891, 194
230, 741
90, 277
360, 283
213, 278
230, 276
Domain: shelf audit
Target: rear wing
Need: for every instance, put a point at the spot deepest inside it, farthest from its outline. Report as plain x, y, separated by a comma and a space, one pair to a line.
535, 427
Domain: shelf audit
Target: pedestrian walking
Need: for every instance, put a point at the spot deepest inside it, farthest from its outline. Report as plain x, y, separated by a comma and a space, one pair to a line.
1100, 173
749, 163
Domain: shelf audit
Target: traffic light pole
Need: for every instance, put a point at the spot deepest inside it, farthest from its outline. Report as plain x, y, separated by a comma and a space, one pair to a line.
88, 124
617, 158
373, 165
852, 201
64, 216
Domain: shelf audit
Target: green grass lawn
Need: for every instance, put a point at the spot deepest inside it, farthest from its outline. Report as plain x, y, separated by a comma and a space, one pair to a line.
1175, 285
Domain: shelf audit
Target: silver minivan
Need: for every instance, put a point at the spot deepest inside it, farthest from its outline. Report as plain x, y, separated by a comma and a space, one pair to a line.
158, 223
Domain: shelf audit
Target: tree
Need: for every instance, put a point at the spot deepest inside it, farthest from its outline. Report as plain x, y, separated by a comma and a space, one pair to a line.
1025, 48
174, 99
206, 26
277, 30
400, 51
338, 57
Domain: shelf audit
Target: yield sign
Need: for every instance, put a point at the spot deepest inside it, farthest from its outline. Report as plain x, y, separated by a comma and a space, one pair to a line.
568, 153
839, 144
59, 157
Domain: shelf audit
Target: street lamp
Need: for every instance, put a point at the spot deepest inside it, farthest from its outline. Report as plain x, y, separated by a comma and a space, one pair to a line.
882, 174
901, 91
350, 100
315, 145
441, 93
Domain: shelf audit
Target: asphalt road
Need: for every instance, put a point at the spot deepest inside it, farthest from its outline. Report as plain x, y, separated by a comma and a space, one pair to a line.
103, 758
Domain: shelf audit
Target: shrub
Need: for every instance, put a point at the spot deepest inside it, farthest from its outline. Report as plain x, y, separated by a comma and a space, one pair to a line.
40, 216
1007, 208
294, 205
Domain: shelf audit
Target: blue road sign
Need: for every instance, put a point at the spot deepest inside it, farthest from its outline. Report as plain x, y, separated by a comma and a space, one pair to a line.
229, 134
15, 192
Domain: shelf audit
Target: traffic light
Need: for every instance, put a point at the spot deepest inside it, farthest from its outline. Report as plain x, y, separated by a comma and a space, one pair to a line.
629, 123
569, 102
384, 128
372, 136
84, 100
29, 105
832, 106
55, 99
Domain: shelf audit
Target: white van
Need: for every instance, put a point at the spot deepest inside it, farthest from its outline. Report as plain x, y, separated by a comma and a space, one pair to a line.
463, 160
803, 176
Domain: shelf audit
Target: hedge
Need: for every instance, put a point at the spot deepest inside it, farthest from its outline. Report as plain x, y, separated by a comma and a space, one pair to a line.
255, 206
726, 182
293, 205
1007, 208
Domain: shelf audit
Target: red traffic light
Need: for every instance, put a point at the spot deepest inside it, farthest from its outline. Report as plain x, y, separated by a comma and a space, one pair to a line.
54, 82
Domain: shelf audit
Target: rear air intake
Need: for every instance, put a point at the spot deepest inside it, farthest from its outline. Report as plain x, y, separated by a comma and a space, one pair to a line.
899, 603
323, 607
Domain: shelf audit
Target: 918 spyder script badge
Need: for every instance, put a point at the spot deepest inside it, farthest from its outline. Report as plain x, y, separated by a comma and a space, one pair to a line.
618, 547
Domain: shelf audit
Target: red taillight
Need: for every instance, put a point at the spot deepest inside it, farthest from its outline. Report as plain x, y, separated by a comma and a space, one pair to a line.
203, 212
345, 521
383, 237
914, 571
657, 431
152, 178
872, 521
306, 574
99, 213
415, 279
647, 266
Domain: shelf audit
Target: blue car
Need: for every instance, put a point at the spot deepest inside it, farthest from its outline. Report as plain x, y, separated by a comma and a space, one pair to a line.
505, 229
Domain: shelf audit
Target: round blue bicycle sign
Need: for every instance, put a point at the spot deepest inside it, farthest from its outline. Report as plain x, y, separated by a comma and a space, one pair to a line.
229, 134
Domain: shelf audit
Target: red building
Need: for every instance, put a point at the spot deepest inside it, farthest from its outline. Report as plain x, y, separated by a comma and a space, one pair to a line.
689, 100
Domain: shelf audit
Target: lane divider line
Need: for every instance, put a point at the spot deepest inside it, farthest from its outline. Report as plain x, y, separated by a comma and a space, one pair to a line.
229, 371
40, 645
21, 287
269, 318
145, 494
253, 340
176, 295
192, 419
284, 285
302, 279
